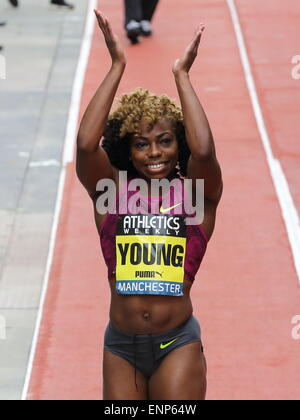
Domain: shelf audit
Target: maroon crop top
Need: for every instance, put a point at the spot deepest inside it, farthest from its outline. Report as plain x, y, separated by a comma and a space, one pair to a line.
151, 253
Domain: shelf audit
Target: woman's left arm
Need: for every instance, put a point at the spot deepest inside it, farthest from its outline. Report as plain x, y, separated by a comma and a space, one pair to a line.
203, 163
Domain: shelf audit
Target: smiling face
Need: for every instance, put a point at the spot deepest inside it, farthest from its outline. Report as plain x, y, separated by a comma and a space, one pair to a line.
154, 152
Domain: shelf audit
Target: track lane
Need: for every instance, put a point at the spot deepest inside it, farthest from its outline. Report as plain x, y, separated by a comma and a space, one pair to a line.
272, 35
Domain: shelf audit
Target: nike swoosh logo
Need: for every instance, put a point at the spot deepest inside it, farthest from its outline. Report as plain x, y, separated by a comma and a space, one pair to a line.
162, 210
164, 346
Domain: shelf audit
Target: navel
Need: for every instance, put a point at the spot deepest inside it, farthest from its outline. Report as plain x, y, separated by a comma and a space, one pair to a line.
146, 316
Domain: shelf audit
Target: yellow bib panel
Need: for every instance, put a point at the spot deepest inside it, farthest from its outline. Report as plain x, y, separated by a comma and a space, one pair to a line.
151, 253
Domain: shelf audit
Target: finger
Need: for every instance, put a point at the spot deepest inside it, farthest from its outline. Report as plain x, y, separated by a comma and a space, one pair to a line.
197, 47
194, 42
104, 28
101, 19
109, 28
98, 15
193, 47
198, 37
200, 31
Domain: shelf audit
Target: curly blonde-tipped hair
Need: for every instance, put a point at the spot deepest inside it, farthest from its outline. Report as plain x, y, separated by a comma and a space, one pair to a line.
144, 105
125, 121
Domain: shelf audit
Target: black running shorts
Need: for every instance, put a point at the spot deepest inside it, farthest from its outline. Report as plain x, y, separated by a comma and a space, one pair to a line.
146, 352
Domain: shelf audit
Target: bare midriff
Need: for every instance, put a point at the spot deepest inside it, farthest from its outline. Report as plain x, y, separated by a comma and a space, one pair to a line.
149, 314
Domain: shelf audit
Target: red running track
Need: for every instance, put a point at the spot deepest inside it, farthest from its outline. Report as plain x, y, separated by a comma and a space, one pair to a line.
246, 291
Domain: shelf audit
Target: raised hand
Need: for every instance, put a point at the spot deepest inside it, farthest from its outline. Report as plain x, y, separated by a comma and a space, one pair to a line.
185, 63
113, 43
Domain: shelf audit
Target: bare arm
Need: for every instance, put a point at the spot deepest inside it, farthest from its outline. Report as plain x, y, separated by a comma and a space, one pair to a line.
92, 163
203, 163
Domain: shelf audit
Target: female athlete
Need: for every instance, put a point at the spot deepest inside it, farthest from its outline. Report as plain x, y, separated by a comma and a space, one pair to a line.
153, 348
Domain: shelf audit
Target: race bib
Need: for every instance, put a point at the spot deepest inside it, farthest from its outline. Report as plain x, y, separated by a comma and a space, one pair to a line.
150, 256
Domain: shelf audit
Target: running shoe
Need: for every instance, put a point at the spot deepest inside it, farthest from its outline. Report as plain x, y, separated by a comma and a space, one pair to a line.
146, 28
133, 29
14, 3
63, 3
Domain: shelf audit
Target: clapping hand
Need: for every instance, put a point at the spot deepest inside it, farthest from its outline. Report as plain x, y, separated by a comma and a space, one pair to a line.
114, 46
184, 64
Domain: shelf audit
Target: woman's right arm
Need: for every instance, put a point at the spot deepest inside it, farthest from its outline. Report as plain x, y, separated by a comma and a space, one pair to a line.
92, 162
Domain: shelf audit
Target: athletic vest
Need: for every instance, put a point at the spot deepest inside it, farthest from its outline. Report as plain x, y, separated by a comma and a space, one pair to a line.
151, 254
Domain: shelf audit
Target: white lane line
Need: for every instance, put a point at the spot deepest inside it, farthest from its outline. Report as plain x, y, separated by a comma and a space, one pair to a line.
288, 208
71, 130
69, 142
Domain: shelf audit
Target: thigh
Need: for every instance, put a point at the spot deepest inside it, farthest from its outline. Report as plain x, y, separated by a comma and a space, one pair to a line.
181, 375
119, 381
